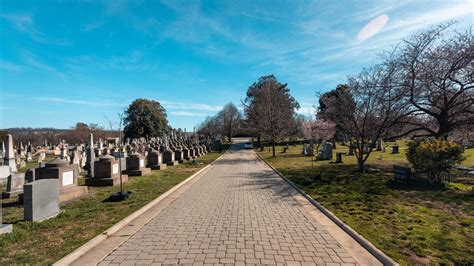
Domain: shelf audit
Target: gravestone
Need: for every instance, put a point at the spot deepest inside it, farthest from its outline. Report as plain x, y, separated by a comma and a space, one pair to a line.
4, 228
310, 150
168, 158
305, 149
15, 184
5, 172
106, 173
41, 200
192, 153
155, 161
136, 165
401, 173
67, 176
179, 156
30, 175
379, 145
186, 153
351, 150
395, 149
339, 157
9, 158
326, 152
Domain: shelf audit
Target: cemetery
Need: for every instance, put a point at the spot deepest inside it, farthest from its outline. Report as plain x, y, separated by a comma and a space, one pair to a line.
69, 206
237, 133
415, 218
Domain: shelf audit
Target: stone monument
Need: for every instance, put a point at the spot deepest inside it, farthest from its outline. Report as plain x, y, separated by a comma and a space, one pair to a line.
41, 200
9, 158
136, 165
155, 160
15, 184
168, 158
106, 173
67, 176
90, 157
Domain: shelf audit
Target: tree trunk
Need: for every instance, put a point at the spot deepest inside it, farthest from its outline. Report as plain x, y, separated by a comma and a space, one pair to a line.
360, 164
273, 147
259, 141
443, 126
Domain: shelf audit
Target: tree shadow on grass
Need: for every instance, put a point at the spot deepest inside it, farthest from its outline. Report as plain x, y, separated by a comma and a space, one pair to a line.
417, 184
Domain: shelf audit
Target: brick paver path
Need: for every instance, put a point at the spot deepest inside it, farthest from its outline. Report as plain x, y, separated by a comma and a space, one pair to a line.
239, 212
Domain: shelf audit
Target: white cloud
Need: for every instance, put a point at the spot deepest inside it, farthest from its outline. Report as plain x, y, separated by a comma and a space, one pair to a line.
414, 21
372, 28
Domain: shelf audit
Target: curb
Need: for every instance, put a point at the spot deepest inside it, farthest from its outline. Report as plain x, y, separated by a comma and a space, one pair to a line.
80, 251
377, 253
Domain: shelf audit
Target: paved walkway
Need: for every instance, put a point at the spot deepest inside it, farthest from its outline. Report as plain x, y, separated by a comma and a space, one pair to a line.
238, 212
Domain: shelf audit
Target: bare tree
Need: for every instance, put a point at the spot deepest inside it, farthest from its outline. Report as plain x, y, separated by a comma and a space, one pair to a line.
373, 106
319, 130
229, 119
437, 73
209, 127
270, 109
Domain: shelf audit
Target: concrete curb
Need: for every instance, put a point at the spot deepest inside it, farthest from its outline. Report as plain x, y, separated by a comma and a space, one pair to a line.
377, 253
80, 251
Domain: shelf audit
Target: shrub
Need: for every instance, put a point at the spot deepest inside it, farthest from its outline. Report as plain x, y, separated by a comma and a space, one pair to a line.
434, 157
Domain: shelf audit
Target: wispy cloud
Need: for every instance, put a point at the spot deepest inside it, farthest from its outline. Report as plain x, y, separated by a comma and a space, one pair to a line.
25, 23
77, 101
175, 108
32, 61
184, 113
10, 66
414, 21
189, 106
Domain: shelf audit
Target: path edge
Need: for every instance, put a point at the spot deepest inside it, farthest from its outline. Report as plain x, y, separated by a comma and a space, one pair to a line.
89, 245
377, 253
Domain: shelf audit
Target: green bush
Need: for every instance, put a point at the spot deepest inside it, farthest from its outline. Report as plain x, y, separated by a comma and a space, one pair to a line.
434, 157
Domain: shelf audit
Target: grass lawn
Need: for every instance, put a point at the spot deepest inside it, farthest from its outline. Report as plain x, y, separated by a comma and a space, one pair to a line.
82, 219
416, 223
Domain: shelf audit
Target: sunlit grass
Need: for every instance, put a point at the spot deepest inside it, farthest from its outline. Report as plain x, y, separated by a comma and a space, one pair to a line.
414, 223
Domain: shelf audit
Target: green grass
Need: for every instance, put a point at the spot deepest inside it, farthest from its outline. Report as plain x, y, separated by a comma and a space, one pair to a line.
415, 223
83, 219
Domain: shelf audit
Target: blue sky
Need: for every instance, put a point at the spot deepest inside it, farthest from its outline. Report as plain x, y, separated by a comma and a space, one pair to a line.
68, 61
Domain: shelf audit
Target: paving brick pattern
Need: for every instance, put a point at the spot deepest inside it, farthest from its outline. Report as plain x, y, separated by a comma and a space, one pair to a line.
239, 212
